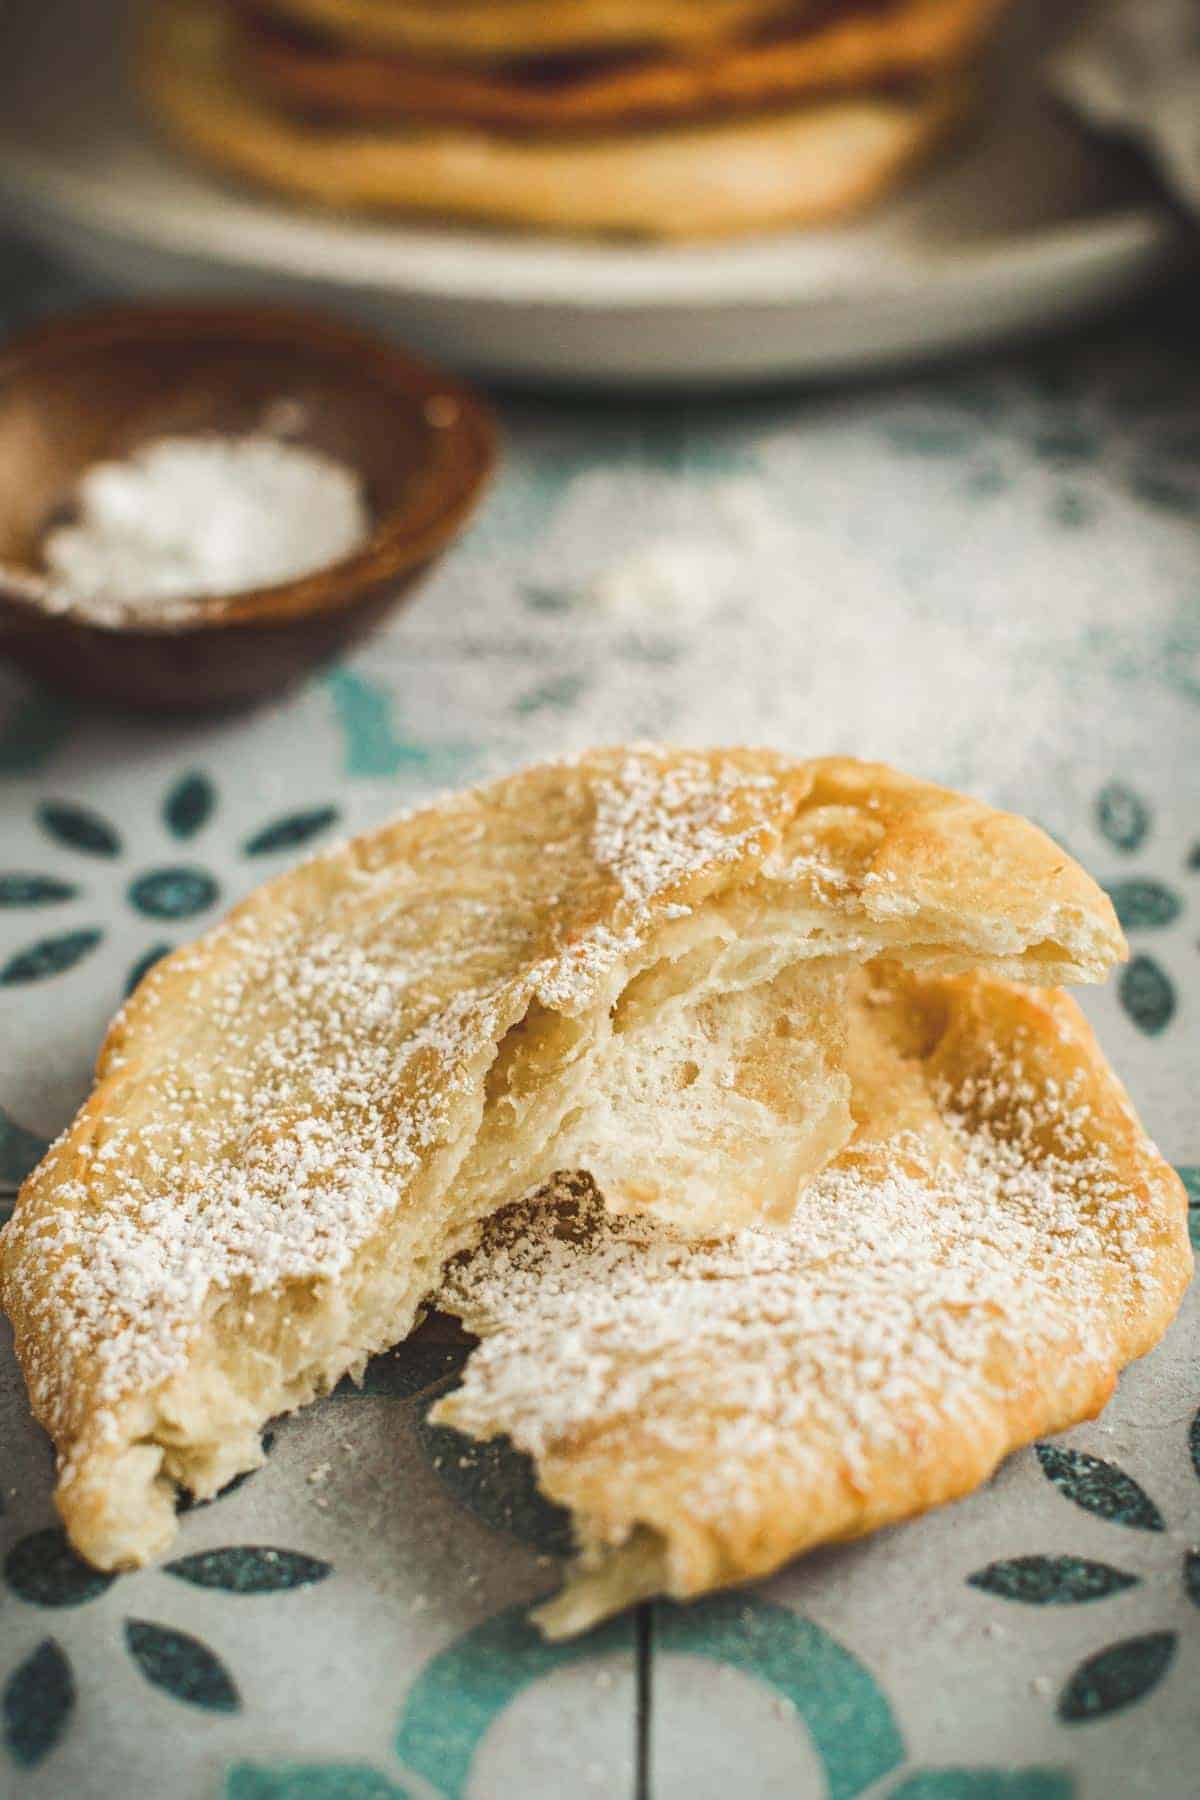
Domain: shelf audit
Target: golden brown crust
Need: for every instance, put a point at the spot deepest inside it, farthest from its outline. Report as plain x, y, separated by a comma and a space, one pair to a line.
998, 1240
486, 29
799, 165
915, 40
298, 1118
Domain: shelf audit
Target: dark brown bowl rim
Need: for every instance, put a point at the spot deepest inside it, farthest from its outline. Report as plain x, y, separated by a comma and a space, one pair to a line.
464, 449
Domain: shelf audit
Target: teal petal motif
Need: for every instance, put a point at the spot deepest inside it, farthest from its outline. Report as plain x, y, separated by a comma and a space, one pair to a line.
1167, 494
928, 437
851, 1725
374, 742
32, 733
249, 1569
1116, 1677
986, 479
1144, 905
310, 1781
496, 1482
1190, 1177
985, 1784
36, 1705
144, 964
1122, 816
1069, 508
1181, 659
655, 652
1194, 1443
49, 956
34, 890
1147, 993
1099, 1487
78, 828
981, 398
182, 1666
174, 893
1051, 1580
558, 694
189, 805
546, 599
1066, 443
1191, 1575
703, 447
1055, 382
1180, 446
44, 1570
291, 831
460, 1694
20, 1151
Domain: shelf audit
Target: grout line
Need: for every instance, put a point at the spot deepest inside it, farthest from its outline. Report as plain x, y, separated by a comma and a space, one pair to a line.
644, 1642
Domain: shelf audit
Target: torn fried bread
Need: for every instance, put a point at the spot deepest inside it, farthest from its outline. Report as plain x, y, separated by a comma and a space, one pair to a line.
633, 963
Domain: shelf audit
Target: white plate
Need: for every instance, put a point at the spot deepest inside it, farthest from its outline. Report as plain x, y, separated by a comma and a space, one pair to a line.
1025, 226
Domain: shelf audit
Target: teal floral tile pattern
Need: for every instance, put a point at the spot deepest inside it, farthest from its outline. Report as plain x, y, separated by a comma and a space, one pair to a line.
1059, 419
1051, 1580
374, 741
311, 1781
182, 1666
988, 575
1142, 903
19, 1151
170, 893
36, 1703
249, 1569
43, 1571
1125, 1671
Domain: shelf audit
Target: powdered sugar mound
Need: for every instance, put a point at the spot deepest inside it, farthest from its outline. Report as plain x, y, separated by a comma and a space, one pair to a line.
189, 517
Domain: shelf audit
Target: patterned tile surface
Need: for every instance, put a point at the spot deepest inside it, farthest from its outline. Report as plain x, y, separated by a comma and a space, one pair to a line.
990, 575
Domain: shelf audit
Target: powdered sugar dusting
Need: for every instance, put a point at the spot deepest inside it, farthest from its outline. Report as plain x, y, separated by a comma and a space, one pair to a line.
272, 1168
904, 1287
310, 1066
657, 824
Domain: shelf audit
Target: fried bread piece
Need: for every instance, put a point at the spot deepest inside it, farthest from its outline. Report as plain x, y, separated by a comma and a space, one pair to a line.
759, 171
851, 47
632, 963
486, 29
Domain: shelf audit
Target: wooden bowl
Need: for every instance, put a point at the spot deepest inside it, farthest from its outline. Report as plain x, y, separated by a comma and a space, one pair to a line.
94, 388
